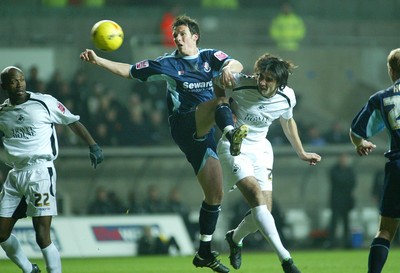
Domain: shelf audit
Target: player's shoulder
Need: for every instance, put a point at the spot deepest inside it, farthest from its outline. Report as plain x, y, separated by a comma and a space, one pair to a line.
40, 96
215, 53
288, 94
381, 94
288, 91
43, 98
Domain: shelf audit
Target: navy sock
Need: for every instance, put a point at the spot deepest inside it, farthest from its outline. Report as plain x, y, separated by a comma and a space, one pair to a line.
378, 254
223, 116
208, 220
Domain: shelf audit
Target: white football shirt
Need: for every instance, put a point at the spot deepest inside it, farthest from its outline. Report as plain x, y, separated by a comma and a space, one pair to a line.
258, 113
28, 130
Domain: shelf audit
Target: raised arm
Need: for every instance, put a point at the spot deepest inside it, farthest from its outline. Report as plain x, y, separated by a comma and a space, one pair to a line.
289, 127
120, 69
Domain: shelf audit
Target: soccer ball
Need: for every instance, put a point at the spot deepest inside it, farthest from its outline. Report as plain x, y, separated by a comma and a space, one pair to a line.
107, 35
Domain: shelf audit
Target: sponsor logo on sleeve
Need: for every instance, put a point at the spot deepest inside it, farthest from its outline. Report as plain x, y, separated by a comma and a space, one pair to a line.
220, 55
142, 64
61, 107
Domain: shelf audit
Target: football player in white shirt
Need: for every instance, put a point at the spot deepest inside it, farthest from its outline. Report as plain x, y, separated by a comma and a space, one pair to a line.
27, 127
257, 101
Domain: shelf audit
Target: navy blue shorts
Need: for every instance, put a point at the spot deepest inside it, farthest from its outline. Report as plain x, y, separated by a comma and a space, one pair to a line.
390, 205
183, 130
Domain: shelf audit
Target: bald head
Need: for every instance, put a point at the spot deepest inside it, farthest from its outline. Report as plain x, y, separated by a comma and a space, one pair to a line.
7, 72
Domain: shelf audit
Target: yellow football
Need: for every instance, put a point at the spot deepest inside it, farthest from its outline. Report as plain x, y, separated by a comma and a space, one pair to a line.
107, 35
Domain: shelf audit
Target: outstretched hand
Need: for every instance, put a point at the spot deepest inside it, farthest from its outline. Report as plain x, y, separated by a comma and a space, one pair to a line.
96, 155
88, 55
311, 158
365, 147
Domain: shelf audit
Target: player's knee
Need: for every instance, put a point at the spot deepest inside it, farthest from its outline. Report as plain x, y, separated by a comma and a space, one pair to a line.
4, 237
214, 198
221, 100
43, 239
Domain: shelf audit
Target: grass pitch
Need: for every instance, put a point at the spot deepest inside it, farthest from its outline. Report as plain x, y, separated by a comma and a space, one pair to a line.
315, 261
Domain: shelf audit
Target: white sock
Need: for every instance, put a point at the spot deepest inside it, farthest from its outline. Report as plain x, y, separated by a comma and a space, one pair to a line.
246, 227
52, 258
228, 128
266, 224
14, 251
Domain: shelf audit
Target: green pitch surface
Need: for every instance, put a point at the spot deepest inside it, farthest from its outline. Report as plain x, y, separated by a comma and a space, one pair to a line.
352, 261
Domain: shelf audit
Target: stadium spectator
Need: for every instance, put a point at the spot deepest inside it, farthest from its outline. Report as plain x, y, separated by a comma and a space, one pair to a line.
27, 122
153, 243
342, 178
101, 205
287, 29
176, 205
168, 18
153, 203
315, 137
222, 4
81, 88
33, 82
158, 134
134, 205
259, 100
381, 110
55, 83
193, 112
336, 134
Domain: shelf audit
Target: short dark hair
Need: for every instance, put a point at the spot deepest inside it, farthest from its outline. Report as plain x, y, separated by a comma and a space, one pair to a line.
189, 22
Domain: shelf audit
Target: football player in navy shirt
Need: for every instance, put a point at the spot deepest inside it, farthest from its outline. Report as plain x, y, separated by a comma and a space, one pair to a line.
193, 111
379, 113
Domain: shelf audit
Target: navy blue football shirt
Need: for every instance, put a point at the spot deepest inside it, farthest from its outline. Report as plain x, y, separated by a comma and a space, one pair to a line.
189, 78
381, 111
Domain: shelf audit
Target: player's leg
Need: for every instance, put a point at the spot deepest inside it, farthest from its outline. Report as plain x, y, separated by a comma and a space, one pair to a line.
380, 245
210, 179
215, 111
12, 208
43, 195
262, 216
11, 246
51, 255
388, 226
218, 111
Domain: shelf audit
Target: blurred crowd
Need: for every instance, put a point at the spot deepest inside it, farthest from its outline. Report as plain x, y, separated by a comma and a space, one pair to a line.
138, 121
107, 202
141, 120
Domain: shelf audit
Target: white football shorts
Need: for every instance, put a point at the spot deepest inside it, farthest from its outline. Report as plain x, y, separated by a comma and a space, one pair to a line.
252, 161
35, 185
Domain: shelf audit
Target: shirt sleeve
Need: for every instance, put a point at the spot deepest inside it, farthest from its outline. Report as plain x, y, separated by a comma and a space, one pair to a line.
60, 114
368, 122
